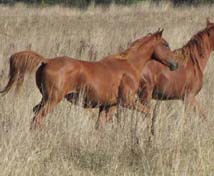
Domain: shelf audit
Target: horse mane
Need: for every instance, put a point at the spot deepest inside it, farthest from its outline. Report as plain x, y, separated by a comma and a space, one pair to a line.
136, 45
195, 48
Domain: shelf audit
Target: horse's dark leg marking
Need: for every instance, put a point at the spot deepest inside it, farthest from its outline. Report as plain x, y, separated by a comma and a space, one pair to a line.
37, 108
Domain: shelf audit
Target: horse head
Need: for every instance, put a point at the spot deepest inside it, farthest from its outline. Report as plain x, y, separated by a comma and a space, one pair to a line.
209, 24
152, 46
162, 52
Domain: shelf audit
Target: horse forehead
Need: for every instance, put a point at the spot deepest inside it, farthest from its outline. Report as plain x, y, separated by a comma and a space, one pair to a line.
163, 40
152, 41
149, 39
159, 41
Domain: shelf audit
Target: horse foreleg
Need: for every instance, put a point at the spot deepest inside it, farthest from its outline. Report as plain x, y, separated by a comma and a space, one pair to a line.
128, 94
202, 112
145, 93
145, 96
192, 104
154, 117
101, 118
110, 112
105, 115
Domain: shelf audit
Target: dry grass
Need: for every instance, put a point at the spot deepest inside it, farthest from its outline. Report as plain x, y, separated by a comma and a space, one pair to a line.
69, 144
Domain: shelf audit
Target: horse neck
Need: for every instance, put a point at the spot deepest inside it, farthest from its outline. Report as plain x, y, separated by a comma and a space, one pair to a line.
201, 58
203, 62
193, 54
138, 59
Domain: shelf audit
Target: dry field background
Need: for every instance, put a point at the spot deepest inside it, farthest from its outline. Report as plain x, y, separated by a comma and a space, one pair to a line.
69, 144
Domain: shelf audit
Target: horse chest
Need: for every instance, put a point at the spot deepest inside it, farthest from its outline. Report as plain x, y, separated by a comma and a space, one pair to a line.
196, 83
173, 85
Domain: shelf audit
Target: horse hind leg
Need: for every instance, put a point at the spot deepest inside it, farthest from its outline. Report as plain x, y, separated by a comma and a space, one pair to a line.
37, 108
202, 112
43, 108
192, 104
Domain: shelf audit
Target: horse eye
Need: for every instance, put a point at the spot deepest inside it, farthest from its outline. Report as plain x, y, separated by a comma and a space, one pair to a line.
166, 45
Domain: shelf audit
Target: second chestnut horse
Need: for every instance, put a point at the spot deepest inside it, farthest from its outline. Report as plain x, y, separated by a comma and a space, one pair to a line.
159, 83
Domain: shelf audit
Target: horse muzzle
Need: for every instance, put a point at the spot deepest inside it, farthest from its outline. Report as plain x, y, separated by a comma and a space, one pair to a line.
173, 66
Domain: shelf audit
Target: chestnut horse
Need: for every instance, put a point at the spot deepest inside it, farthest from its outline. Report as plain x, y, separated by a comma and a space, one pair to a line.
158, 82
65, 77
100, 80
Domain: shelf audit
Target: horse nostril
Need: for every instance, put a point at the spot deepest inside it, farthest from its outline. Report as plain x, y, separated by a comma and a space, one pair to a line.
173, 66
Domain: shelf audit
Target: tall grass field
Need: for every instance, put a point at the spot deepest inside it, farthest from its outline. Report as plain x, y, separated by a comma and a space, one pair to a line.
68, 144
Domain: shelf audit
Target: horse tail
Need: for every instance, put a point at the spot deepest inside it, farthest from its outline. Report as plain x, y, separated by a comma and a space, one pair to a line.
21, 63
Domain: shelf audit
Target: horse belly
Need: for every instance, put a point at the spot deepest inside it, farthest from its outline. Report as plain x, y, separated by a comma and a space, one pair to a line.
96, 96
168, 94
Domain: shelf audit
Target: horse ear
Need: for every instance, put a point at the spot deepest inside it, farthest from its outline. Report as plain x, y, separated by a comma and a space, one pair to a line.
208, 22
161, 32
